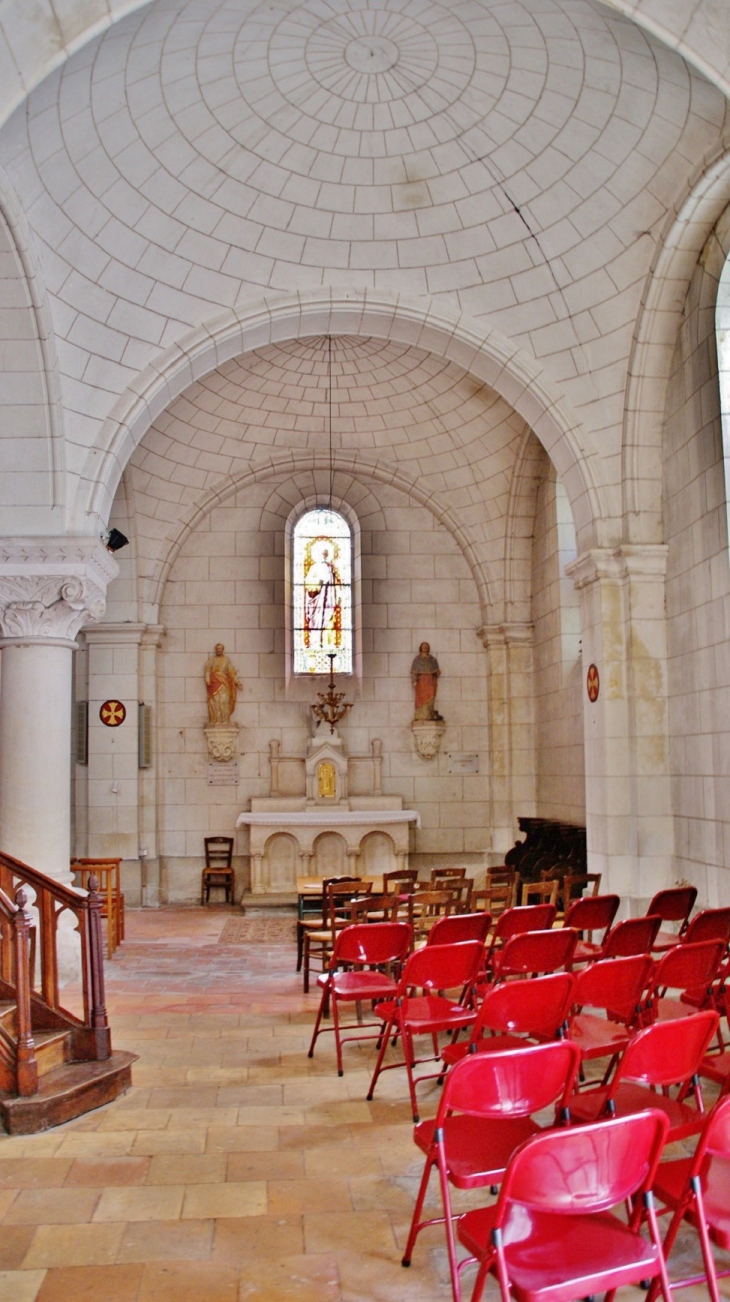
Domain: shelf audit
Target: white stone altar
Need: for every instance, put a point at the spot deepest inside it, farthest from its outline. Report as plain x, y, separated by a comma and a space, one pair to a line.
312, 825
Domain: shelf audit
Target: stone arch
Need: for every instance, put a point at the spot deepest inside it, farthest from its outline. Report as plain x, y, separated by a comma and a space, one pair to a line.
679, 248
361, 467
481, 350
377, 854
32, 495
330, 855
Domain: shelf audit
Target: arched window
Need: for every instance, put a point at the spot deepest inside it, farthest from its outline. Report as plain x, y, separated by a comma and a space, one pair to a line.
322, 623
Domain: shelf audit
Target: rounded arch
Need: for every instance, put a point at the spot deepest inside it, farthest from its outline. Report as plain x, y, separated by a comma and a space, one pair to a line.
479, 349
680, 246
292, 463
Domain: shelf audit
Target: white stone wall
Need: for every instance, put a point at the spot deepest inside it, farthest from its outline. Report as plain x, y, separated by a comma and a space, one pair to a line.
227, 584
558, 676
698, 595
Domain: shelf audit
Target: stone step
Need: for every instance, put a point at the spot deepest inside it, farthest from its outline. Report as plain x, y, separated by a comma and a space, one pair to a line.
66, 1092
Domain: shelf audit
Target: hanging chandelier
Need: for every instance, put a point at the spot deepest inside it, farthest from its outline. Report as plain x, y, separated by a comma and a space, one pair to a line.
331, 706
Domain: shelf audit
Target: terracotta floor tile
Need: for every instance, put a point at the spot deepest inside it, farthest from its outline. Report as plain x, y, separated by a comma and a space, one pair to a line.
26, 1173
20, 1285
74, 1245
265, 1166
8, 1197
189, 1281
150, 1142
242, 1139
97, 1172
152, 1118
166, 1241
196, 1097
48, 1207
91, 1284
14, 1244
290, 1279
272, 1116
322, 1163
187, 1168
245, 1198
292, 1197
237, 1241
140, 1203
366, 1232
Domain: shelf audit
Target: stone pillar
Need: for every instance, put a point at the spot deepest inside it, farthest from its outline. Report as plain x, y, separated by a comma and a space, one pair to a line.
628, 788
513, 770
49, 588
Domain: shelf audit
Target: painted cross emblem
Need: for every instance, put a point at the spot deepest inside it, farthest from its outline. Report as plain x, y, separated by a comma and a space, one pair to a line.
112, 713
593, 684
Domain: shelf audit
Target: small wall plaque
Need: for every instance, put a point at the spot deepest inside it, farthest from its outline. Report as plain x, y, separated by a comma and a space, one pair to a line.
593, 684
223, 775
462, 763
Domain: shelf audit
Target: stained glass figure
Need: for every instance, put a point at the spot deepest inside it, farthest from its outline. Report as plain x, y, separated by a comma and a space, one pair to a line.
322, 589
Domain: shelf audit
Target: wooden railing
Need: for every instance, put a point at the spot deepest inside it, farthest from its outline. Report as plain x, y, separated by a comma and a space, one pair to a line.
30, 940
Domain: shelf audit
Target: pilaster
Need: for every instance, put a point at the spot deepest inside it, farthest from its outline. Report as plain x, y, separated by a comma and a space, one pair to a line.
509, 648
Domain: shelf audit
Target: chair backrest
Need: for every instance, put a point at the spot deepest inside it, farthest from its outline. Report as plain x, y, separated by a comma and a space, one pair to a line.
545, 892
710, 924
443, 967
574, 884
511, 1082
615, 984
690, 966
536, 1007
667, 1053
504, 877
338, 898
633, 936
218, 851
492, 899
674, 904
585, 1168
401, 879
525, 917
372, 943
715, 1140
535, 951
593, 912
460, 926
380, 908
326, 883
441, 873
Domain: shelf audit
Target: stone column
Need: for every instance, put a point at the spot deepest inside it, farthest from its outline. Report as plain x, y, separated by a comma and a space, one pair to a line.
513, 771
49, 588
628, 791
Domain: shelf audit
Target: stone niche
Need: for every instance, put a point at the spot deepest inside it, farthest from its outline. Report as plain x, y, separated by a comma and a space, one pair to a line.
325, 816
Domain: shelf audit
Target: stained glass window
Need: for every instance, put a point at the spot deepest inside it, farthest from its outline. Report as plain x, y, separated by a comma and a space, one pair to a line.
322, 590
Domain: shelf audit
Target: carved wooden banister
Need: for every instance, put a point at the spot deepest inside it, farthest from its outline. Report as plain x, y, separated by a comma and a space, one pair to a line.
90, 1034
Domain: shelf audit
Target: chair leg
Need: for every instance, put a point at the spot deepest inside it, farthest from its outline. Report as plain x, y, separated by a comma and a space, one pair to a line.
449, 1221
416, 1218
300, 944
320, 1013
385, 1036
409, 1056
336, 1028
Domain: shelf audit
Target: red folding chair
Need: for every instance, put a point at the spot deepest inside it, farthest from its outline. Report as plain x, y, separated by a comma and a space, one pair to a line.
697, 1190
407, 1015
688, 968
662, 1055
672, 905
516, 1012
365, 945
515, 921
532, 953
551, 1236
486, 1111
633, 936
458, 927
591, 913
616, 987
710, 924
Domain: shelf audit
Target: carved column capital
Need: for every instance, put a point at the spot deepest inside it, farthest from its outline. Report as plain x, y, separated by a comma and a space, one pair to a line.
518, 633
616, 564
51, 587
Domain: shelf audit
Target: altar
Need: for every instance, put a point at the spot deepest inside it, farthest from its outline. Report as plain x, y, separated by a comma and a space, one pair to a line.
313, 825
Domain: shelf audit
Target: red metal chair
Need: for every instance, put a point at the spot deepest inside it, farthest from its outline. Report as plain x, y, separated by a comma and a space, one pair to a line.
486, 1111
458, 927
616, 986
672, 905
407, 1015
531, 953
551, 1236
591, 913
710, 924
633, 936
516, 921
515, 1012
689, 968
662, 1055
365, 945
697, 1190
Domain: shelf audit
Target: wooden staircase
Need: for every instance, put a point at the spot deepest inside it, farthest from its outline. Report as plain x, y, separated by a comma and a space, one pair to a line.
53, 1065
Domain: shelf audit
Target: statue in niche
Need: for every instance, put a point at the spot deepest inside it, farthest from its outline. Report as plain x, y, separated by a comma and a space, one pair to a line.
425, 674
222, 683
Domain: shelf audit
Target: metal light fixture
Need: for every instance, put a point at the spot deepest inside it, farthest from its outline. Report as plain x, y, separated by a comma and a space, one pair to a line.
331, 706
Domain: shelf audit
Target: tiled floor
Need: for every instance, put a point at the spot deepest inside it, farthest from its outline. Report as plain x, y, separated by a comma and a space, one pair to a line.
236, 1168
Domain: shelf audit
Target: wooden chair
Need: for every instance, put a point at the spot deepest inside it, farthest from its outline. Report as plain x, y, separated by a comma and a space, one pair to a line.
576, 885
505, 877
218, 871
402, 880
316, 919
425, 908
439, 875
492, 899
374, 908
541, 892
319, 942
107, 871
